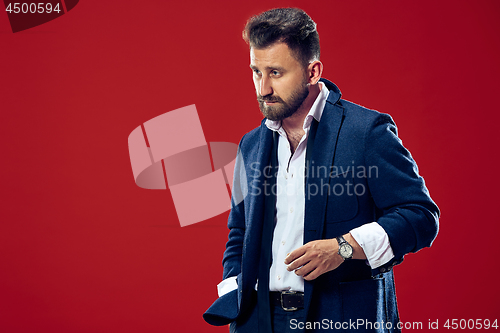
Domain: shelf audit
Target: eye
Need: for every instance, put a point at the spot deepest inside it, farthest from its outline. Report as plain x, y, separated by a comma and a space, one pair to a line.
275, 73
256, 72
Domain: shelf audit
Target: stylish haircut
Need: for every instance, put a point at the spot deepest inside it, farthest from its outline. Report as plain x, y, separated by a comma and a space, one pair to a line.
291, 26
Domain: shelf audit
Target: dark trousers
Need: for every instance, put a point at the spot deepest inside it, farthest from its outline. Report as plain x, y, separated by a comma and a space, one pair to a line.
282, 321
287, 321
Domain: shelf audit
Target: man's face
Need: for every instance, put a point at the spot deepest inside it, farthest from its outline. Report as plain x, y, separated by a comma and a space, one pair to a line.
280, 81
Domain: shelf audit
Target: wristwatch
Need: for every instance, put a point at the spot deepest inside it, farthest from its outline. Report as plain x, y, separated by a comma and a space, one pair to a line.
345, 249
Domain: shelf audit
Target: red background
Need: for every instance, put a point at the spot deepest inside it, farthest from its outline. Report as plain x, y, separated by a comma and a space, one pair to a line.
83, 249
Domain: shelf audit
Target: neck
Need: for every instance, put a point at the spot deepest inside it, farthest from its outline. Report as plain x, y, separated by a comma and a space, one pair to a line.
295, 122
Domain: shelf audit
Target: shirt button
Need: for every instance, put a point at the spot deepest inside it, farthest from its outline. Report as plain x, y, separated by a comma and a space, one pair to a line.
279, 277
283, 242
291, 175
286, 177
291, 210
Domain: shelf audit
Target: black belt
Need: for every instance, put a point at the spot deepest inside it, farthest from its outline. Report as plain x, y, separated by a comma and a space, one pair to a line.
288, 300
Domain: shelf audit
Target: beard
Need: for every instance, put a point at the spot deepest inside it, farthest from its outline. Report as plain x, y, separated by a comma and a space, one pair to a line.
283, 109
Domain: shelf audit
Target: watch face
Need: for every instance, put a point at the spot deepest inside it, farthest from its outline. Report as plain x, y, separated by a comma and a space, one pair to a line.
345, 251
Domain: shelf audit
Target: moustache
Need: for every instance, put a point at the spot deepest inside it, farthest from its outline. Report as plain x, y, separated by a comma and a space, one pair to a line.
269, 98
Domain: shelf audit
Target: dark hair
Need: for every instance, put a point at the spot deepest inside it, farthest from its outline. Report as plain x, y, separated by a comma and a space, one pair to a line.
291, 26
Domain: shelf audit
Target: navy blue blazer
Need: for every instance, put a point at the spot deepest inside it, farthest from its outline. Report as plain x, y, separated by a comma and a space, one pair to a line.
359, 172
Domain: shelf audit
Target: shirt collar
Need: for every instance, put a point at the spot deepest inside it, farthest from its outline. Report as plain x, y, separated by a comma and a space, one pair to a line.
315, 112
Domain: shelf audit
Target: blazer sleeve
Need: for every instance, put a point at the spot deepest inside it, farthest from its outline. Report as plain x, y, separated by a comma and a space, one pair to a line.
408, 214
236, 221
226, 308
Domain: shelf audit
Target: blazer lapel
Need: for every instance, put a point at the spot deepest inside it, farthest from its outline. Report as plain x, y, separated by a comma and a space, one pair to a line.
319, 158
320, 153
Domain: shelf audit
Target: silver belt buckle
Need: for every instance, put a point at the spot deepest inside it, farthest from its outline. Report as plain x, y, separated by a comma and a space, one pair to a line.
287, 292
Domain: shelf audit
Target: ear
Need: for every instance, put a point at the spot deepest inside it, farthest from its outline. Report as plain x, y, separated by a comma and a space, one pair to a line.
315, 69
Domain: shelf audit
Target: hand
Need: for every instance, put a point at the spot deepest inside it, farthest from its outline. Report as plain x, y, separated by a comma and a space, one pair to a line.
316, 258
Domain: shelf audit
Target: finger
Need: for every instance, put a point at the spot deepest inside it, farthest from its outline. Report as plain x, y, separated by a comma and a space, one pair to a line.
297, 263
313, 274
306, 269
299, 252
320, 269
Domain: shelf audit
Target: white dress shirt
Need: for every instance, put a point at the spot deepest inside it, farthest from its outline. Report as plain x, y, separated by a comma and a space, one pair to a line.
290, 209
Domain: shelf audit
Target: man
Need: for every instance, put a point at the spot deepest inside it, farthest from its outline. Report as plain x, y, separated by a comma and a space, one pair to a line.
326, 200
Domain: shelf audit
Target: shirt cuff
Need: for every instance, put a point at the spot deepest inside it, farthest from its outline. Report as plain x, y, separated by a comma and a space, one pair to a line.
375, 243
227, 285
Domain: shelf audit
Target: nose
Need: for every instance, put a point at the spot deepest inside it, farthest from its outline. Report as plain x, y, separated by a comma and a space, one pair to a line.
265, 87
